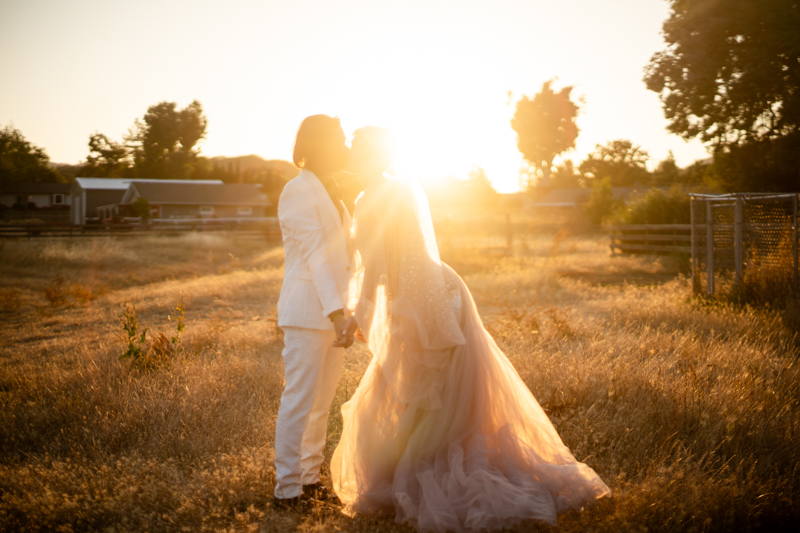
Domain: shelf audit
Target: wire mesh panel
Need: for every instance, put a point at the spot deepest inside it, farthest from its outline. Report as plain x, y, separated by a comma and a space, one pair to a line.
744, 237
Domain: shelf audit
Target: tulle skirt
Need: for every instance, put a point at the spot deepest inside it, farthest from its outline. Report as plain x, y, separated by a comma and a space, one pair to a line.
482, 456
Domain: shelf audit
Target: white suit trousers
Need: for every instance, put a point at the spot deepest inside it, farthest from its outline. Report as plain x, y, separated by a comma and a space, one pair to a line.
312, 368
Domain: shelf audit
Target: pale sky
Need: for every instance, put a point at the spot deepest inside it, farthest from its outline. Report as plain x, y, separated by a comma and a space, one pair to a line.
436, 71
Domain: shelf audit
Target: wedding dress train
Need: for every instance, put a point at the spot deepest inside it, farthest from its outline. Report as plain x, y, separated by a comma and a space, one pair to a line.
441, 430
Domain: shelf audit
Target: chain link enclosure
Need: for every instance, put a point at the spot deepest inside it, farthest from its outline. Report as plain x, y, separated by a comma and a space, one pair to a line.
741, 234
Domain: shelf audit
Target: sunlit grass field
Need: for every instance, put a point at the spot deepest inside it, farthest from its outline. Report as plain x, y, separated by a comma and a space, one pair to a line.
689, 410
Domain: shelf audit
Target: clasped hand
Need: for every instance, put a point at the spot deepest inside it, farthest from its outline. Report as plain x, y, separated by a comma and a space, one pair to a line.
345, 331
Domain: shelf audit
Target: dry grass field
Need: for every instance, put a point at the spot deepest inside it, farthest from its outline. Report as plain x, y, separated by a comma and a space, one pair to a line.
689, 410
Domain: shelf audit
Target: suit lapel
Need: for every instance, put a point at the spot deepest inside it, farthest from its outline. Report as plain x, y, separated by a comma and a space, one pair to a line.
324, 197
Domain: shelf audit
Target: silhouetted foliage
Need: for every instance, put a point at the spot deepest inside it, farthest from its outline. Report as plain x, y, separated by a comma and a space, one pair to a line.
22, 162
667, 171
655, 207
164, 141
69, 172
696, 173
566, 175
768, 165
621, 162
546, 128
601, 203
141, 206
731, 70
106, 158
731, 75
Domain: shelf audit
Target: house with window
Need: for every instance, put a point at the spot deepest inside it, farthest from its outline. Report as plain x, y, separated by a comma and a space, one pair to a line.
44, 201
90, 194
36, 195
196, 200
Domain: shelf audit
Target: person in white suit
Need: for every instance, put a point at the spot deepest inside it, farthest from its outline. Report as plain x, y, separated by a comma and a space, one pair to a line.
315, 225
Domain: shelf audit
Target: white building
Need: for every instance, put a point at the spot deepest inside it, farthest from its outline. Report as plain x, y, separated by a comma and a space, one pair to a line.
88, 194
39, 194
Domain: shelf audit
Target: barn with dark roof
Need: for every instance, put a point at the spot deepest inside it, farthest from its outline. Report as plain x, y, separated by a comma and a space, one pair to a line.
192, 200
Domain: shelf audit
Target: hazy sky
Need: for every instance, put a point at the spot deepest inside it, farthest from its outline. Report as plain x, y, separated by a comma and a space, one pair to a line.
438, 72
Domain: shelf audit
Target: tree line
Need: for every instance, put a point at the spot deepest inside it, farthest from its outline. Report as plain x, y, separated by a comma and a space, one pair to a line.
729, 76
163, 144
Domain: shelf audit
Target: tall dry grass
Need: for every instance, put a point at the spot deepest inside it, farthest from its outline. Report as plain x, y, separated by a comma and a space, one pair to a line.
689, 410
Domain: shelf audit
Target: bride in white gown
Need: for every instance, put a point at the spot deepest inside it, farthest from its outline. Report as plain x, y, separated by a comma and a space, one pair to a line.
441, 430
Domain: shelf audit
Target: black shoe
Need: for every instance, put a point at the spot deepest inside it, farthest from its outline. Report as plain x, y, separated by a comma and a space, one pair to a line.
318, 491
288, 503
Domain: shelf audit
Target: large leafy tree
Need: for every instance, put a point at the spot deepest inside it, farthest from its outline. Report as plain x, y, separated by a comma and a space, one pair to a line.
730, 76
106, 158
621, 162
164, 142
546, 127
22, 162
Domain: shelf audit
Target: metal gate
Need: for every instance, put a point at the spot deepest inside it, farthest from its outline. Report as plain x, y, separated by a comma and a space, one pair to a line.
732, 233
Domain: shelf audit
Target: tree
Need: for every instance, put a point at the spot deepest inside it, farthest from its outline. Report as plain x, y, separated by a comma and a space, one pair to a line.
769, 165
546, 127
566, 175
696, 173
141, 206
667, 171
621, 161
22, 162
601, 203
164, 142
731, 69
730, 75
106, 158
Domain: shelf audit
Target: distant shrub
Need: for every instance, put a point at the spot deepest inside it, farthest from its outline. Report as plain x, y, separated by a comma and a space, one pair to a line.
655, 207
142, 207
158, 352
601, 203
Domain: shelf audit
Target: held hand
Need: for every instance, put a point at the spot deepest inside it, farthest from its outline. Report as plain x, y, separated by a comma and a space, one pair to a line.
339, 323
348, 332
360, 336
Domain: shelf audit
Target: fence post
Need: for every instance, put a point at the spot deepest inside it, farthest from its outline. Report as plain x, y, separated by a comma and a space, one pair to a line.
509, 235
709, 248
794, 275
695, 284
738, 244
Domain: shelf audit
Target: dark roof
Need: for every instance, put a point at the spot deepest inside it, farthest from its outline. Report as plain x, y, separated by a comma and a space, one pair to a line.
201, 193
38, 188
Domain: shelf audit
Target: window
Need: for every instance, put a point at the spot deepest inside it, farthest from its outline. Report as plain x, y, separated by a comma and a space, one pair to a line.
245, 210
58, 199
206, 209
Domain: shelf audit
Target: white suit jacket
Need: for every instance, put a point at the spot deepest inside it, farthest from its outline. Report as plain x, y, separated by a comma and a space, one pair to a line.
317, 257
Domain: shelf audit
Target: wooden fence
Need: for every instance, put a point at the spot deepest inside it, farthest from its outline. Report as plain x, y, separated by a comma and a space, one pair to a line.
658, 239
